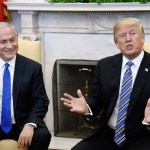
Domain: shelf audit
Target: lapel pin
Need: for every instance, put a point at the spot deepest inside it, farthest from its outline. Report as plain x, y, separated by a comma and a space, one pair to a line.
146, 69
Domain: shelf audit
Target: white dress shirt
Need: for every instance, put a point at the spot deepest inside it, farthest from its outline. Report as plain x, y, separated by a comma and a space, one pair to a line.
137, 61
11, 70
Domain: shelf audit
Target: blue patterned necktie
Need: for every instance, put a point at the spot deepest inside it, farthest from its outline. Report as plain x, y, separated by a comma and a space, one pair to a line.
6, 101
124, 97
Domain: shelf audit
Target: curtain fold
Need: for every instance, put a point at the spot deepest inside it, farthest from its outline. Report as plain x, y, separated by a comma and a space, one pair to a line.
4, 13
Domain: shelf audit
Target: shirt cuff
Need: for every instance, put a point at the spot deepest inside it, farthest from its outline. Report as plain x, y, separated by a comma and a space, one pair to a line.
33, 124
145, 123
90, 112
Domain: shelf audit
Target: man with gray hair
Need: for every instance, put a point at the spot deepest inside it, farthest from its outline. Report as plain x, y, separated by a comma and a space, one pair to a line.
23, 97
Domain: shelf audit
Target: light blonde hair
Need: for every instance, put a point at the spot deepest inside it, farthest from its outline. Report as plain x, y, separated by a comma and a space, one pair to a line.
127, 21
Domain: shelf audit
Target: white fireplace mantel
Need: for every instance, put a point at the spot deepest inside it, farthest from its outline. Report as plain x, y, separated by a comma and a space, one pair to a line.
30, 9
81, 7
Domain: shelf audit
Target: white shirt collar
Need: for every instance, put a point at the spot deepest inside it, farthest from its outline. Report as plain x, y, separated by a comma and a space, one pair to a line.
11, 62
136, 61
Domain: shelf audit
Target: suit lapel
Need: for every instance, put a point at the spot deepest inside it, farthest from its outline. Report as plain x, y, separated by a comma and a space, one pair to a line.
18, 73
115, 82
139, 81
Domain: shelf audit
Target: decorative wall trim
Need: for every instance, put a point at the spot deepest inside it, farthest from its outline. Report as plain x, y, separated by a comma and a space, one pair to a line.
98, 18
80, 7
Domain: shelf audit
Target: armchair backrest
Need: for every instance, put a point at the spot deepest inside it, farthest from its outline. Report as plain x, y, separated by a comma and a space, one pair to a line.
147, 47
30, 49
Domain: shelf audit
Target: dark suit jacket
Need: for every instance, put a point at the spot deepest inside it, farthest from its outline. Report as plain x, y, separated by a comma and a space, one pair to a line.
105, 93
29, 95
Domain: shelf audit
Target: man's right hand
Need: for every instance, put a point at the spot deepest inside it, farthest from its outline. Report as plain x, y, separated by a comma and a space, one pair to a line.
78, 105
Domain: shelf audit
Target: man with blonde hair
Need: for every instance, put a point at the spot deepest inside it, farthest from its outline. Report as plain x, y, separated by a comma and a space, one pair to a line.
121, 93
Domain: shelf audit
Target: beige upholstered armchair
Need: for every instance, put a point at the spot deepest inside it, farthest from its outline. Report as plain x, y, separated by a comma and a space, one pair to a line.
147, 47
30, 49
9, 144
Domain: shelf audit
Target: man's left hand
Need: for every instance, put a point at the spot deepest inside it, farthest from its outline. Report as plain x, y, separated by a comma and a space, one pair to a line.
147, 112
26, 136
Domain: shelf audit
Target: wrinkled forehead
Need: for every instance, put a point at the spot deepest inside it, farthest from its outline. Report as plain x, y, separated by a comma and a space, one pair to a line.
128, 26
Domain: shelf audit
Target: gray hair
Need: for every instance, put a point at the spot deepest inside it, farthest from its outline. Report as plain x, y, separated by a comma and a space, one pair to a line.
6, 24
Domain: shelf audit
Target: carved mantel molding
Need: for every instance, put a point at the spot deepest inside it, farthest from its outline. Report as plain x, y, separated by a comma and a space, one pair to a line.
81, 7
39, 16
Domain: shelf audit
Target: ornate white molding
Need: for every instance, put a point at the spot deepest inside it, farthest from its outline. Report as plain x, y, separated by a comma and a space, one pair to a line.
29, 26
81, 7
40, 16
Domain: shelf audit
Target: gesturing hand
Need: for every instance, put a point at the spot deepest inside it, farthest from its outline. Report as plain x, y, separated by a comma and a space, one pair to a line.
147, 112
77, 105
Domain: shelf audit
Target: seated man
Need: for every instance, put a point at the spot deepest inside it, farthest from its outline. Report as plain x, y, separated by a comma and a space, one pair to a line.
121, 93
22, 90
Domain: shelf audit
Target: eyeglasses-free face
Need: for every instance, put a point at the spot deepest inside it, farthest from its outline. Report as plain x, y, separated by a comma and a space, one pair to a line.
8, 43
130, 40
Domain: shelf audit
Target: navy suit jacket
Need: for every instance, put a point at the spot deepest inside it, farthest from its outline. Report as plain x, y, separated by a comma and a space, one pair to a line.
29, 95
105, 93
